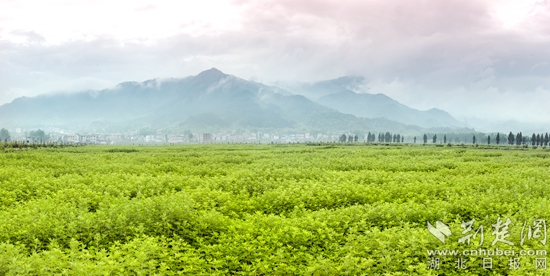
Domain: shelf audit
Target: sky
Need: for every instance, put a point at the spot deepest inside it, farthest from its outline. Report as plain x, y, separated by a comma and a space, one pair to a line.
480, 60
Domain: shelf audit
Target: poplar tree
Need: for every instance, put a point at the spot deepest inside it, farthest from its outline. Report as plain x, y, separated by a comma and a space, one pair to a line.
388, 137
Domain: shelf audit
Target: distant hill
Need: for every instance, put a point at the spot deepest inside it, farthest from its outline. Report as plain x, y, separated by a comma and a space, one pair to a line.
341, 94
316, 90
209, 101
380, 105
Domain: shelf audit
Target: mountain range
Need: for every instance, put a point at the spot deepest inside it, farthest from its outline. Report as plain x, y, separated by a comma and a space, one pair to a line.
380, 105
214, 101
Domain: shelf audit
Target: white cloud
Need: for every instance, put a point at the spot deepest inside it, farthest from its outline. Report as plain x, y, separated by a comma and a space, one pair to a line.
62, 21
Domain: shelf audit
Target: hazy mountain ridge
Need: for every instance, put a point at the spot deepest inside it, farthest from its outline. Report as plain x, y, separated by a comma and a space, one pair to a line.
379, 105
347, 95
210, 100
316, 90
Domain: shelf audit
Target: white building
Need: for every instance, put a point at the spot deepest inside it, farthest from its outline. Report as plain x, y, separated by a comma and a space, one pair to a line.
72, 138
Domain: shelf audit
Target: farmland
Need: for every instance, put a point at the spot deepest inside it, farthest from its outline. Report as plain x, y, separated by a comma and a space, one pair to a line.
327, 209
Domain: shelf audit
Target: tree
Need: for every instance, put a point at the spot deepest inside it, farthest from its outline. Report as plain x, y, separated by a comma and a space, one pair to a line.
538, 139
355, 138
445, 139
342, 138
415, 139
425, 138
546, 139
402, 139
38, 136
350, 138
189, 134
488, 139
498, 138
474, 140
511, 138
5, 135
434, 138
519, 139
387, 137
533, 140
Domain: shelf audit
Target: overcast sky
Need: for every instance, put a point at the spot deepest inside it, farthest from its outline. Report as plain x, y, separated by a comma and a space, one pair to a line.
487, 59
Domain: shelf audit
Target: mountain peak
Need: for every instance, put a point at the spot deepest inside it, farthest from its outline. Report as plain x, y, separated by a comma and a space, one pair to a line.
211, 74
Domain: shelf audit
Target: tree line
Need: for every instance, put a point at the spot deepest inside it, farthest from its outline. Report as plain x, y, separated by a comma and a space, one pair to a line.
535, 139
35, 136
372, 137
541, 139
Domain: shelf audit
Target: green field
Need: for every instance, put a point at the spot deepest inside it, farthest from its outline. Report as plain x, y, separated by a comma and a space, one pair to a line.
266, 209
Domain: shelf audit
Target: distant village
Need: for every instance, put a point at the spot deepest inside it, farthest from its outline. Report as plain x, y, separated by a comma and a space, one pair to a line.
183, 138
140, 138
